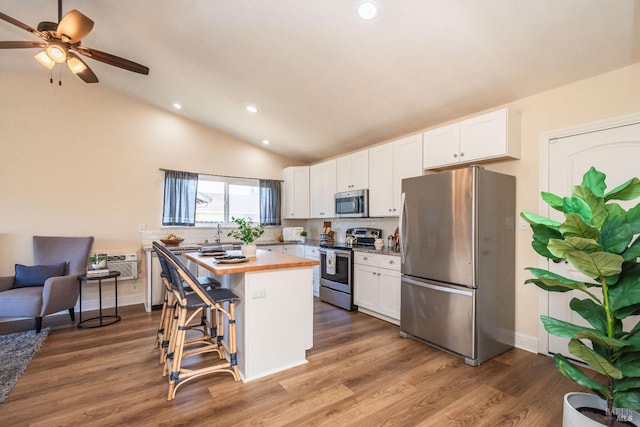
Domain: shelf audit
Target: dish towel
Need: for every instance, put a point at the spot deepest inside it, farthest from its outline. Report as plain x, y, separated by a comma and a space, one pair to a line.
330, 263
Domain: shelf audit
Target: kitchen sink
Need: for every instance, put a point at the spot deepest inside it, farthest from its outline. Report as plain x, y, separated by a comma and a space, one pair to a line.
225, 246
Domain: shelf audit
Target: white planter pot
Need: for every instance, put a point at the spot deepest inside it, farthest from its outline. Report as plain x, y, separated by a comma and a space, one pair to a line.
572, 418
249, 250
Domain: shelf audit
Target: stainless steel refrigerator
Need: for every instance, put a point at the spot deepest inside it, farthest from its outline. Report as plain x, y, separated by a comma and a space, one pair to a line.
457, 243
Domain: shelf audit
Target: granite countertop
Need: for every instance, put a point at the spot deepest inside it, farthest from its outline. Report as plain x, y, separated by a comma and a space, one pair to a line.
383, 251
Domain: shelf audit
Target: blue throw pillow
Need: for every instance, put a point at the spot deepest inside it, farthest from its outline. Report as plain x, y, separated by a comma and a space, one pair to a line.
36, 275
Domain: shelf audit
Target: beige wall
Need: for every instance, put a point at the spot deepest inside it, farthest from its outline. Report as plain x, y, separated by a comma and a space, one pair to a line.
83, 160
107, 147
613, 94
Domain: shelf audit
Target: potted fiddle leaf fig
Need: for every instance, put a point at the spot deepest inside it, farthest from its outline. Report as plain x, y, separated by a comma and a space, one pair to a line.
600, 239
247, 232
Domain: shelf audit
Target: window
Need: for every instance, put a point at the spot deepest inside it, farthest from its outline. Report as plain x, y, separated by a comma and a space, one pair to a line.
220, 198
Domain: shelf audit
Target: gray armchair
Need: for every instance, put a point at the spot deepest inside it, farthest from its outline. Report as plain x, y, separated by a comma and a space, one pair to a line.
23, 296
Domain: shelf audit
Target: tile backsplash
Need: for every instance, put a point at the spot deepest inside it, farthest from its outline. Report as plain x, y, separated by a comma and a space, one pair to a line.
200, 235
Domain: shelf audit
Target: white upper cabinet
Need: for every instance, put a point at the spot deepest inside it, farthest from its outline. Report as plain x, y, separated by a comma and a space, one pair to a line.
407, 163
490, 136
323, 189
352, 171
381, 180
389, 164
296, 192
442, 146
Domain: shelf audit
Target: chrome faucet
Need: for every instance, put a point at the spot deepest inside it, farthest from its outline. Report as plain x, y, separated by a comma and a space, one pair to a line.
218, 234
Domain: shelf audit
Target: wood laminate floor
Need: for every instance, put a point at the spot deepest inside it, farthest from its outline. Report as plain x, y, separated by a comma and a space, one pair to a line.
360, 373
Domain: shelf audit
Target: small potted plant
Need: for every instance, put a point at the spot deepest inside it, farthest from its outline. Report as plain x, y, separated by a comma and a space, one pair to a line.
303, 236
247, 233
600, 239
98, 261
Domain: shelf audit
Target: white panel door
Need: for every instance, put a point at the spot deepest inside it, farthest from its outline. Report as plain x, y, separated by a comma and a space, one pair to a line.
615, 152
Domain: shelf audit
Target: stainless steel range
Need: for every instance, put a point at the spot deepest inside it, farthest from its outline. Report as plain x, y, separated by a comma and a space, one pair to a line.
336, 266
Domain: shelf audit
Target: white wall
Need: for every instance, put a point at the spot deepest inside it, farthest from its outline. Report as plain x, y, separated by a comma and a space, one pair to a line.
83, 160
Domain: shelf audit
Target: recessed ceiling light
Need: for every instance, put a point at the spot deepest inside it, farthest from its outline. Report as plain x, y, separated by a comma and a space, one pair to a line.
252, 108
177, 106
265, 141
367, 9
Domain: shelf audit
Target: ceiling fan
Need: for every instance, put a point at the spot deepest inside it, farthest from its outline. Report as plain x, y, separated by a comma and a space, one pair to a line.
61, 43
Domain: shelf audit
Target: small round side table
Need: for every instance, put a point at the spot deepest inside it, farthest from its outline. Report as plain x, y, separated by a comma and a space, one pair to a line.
103, 320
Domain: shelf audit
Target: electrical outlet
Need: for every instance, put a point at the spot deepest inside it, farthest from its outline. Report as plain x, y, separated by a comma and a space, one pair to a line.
141, 227
258, 293
134, 287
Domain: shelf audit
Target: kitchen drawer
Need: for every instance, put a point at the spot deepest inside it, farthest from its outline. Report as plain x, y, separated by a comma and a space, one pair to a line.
364, 258
388, 261
312, 252
381, 261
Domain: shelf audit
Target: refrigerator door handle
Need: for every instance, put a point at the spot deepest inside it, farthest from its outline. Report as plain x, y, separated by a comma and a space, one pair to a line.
401, 226
437, 287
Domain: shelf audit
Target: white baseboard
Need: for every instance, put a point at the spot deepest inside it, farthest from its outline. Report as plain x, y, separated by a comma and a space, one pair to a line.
94, 304
88, 305
526, 342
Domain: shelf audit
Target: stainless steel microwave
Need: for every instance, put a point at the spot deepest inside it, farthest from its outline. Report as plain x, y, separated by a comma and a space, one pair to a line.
354, 204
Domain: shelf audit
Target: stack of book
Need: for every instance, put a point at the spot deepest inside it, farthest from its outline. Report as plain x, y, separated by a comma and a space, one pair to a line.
98, 273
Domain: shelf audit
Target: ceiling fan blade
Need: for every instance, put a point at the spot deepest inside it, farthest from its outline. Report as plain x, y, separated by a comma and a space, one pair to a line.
107, 58
73, 27
86, 74
21, 45
24, 26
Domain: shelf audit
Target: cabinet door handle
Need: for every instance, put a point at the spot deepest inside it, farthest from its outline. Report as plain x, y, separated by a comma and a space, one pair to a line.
461, 154
455, 155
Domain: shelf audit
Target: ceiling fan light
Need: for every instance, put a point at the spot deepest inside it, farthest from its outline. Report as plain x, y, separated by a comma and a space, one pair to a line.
75, 65
56, 52
73, 27
44, 59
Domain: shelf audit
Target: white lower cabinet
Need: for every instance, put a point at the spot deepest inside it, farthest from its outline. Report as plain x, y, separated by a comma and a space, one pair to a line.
313, 252
377, 285
293, 250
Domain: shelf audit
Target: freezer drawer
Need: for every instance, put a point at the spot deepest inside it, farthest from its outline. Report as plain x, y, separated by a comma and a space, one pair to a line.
439, 314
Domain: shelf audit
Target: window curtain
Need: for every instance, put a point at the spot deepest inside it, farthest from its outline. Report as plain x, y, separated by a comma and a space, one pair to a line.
270, 202
180, 190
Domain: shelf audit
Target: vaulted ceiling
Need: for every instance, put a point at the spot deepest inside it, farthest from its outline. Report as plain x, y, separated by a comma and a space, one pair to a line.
327, 82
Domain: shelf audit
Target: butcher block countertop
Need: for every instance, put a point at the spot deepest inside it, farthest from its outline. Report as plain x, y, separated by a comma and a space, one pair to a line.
265, 260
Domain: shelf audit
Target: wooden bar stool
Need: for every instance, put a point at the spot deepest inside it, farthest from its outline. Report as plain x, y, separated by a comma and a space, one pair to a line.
221, 303
168, 308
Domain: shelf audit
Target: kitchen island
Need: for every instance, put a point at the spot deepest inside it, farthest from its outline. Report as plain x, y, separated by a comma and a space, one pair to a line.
274, 317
